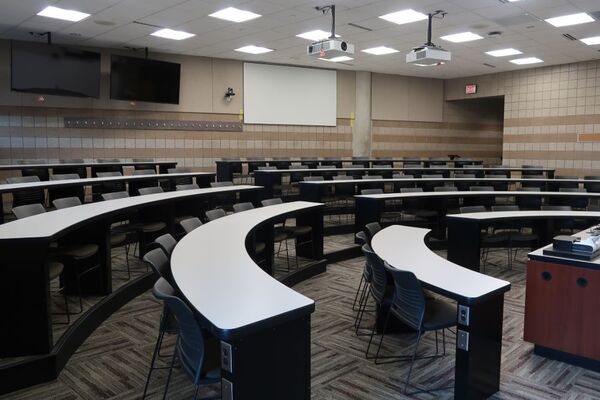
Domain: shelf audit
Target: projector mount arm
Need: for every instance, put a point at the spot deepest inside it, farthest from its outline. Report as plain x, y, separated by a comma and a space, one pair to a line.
325, 10
439, 14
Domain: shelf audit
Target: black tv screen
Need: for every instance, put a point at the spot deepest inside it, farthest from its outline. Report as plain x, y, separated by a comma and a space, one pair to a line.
141, 79
48, 69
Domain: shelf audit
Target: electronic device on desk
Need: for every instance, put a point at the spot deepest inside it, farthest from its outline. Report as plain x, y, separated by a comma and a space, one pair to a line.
575, 247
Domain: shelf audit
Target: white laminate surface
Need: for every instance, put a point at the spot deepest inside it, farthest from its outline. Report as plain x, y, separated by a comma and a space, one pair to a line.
11, 187
51, 223
494, 215
83, 164
433, 180
392, 196
403, 247
216, 274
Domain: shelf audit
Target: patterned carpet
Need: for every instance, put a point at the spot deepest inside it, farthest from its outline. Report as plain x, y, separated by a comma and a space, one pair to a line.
113, 362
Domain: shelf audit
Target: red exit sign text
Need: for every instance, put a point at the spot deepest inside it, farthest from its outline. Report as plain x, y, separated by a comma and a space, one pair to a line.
470, 89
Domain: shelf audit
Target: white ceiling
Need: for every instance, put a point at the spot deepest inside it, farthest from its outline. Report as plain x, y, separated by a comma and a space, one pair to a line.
112, 25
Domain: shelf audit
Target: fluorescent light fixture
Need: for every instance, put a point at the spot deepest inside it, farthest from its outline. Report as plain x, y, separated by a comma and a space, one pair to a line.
526, 60
461, 37
252, 49
503, 52
234, 15
590, 41
172, 34
316, 35
568, 20
404, 16
337, 59
61, 13
380, 50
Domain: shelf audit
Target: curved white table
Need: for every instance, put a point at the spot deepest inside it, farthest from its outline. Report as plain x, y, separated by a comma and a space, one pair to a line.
264, 325
480, 306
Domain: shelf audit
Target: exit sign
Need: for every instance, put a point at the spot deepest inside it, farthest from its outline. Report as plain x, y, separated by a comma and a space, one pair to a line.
470, 89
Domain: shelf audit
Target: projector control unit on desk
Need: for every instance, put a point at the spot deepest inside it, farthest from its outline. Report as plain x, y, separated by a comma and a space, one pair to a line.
586, 248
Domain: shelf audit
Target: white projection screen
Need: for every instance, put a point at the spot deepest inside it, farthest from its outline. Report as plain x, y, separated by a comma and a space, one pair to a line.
282, 95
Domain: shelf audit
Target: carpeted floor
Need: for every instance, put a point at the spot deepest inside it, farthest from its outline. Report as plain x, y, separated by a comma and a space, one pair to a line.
113, 362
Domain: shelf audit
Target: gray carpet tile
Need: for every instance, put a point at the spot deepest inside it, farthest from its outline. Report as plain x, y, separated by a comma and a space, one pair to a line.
113, 362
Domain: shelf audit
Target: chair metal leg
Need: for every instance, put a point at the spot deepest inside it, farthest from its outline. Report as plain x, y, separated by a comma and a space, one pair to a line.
358, 290
362, 305
171, 369
154, 354
436, 343
412, 363
385, 325
370, 340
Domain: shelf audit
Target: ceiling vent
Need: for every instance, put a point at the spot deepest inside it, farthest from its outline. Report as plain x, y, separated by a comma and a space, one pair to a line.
569, 36
489, 65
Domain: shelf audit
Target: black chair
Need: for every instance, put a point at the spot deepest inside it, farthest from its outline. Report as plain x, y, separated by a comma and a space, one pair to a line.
296, 177
400, 185
182, 180
576, 203
370, 230
382, 170
309, 162
411, 307
151, 164
593, 187
371, 191
79, 170
217, 213
280, 162
189, 349
113, 165
499, 186
561, 225
327, 175
150, 190
450, 202
259, 247
473, 169
374, 185
136, 185
365, 279
190, 224
43, 173
428, 186
24, 197
189, 186
159, 262
419, 210
533, 181
223, 200
529, 202
167, 243
520, 234
59, 193
283, 232
490, 239
486, 201
360, 161
107, 187
80, 258
463, 186
533, 169
556, 186
332, 162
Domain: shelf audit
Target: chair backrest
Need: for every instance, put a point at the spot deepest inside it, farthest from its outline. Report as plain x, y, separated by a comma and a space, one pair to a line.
505, 208
580, 190
28, 210
556, 208
23, 197
268, 168
178, 170
271, 202
411, 190
66, 202
71, 161
142, 159
23, 179
144, 172
108, 160
372, 191
190, 343
445, 189
159, 262
187, 186
566, 177
529, 189
399, 176
481, 188
62, 177
371, 229
379, 282
472, 209
108, 174
362, 237
221, 184
342, 178
464, 176
150, 190
215, 214
239, 207
432, 176
533, 176
408, 302
313, 178
166, 242
329, 166
115, 195
372, 177
190, 224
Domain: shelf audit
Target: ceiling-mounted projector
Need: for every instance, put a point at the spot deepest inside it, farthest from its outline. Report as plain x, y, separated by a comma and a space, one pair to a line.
429, 54
331, 47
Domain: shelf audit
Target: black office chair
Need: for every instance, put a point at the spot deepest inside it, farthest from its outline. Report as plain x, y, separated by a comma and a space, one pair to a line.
463, 186
309, 162
189, 186
23, 197
490, 239
79, 257
190, 224
520, 234
107, 168
59, 193
189, 349
498, 186
400, 185
167, 243
182, 180
529, 202
150, 166
561, 225
217, 213
411, 307
135, 186
98, 189
486, 201
450, 202
259, 247
374, 185
533, 181
159, 262
556, 186
223, 200
370, 230
327, 175
365, 278
42, 173
79, 170
418, 210
150, 190
576, 203
428, 186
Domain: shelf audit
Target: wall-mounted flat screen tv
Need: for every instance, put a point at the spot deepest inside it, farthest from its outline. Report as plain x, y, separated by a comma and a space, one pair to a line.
56, 70
140, 79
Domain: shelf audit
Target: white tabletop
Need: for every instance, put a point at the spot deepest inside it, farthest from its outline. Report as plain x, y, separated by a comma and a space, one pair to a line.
52, 223
403, 247
84, 164
388, 196
11, 187
421, 180
421, 169
215, 273
532, 214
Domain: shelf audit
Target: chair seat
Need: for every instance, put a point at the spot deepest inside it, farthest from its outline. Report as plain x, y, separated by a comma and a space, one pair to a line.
495, 239
182, 218
299, 230
55, 269
148, 227
439, 314
78, 251
279, 236
117, 239
525, 238
259, 247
